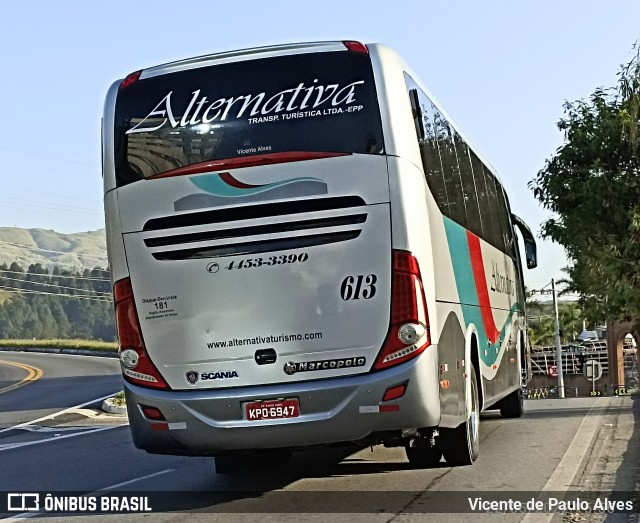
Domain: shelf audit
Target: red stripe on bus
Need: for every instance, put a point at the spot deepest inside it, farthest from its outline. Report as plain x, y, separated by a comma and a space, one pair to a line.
230, 180
246, 161
480, 279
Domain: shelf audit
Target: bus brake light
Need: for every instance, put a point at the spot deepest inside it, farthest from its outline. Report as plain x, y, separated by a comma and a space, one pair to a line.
136, 368
408, 333
356, 47
131, 79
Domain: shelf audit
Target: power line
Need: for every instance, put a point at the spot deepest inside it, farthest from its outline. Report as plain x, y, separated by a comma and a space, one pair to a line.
51, 275
23, 202
77, 296
49, 168
24, 188
35, 155
57, 286
48, 215
57, 263
55, 252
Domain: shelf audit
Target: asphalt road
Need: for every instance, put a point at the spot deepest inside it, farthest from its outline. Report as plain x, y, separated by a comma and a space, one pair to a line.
65, 381
573, 444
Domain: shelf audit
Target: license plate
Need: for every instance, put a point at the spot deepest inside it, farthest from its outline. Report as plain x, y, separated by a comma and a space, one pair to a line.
272, 409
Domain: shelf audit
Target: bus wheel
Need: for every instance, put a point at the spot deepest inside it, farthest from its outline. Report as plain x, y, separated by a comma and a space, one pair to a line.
422, 454
461, 445
513, 405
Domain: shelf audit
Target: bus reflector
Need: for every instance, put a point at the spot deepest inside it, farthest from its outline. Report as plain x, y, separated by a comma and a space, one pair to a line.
356, 47
144, 373
408, 306
152, 413
393, 393
389, 408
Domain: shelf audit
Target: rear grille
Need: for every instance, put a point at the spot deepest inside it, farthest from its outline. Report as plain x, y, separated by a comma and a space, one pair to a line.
256, 229
268, 210
282, 223
258, 247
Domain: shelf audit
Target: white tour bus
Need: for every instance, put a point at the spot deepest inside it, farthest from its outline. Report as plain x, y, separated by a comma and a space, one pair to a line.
306, 251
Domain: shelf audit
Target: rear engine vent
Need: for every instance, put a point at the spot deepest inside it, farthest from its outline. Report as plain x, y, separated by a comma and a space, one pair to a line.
236, 249
256, 229
251, 212
280, 226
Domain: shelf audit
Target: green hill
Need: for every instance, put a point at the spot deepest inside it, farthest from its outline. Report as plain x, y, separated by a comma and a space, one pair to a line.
49, 248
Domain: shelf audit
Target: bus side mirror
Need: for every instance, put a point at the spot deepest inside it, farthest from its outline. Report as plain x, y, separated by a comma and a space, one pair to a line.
530, 249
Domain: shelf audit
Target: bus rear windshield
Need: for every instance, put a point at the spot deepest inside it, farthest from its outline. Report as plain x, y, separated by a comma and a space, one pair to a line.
317, 102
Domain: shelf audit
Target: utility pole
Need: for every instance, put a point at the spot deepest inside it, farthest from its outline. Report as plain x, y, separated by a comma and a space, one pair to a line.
558, 346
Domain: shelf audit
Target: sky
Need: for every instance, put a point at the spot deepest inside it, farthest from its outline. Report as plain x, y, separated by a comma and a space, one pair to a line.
502, 69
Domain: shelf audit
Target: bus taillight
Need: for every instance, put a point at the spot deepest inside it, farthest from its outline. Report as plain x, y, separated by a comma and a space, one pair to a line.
136, 366
356, 47
131, 79
408, 332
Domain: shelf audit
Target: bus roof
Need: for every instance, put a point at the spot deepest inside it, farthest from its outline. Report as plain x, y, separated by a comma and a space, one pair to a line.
241, 55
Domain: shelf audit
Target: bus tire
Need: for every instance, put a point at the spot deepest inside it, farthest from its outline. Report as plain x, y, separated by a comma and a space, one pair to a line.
461, 445
422, 455
513, 405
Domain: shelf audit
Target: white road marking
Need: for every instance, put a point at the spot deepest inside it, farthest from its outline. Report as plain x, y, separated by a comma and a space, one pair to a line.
51, 416
41, 429
11, 446
118, 485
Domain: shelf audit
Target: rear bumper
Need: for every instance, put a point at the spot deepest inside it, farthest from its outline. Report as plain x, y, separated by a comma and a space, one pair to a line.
331, 411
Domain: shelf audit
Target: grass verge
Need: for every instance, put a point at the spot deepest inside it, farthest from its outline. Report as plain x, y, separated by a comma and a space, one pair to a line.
62, 344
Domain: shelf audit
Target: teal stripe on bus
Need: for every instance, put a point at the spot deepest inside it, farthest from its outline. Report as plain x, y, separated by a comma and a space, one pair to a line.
457, 238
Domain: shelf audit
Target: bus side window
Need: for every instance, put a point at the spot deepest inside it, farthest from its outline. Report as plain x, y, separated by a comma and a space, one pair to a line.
433, 168
481, 194
507, 226
424, 120
495, 236
469, 187
445, 140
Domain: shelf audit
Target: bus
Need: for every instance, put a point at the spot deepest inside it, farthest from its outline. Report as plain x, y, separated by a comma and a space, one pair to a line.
306, 251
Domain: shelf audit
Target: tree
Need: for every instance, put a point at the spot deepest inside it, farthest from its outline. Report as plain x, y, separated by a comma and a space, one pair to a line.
592, 185
542, 324
58, 305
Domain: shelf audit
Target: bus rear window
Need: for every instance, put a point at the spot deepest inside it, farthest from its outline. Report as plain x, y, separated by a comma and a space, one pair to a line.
317, 102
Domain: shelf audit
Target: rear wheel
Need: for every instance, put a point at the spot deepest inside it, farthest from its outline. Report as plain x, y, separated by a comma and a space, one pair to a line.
513, 405
422, 454
461, 445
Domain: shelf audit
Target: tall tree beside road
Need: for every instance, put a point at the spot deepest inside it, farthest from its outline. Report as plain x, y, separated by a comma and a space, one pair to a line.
592, 185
